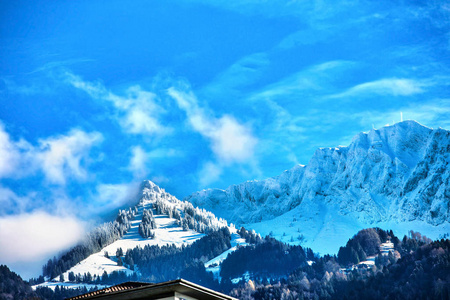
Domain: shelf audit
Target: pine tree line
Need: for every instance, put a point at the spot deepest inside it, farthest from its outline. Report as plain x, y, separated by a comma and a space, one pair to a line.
365, 243
250, 237
148, 223
189, 217
269, 257
160, 263
421, 273
96, 240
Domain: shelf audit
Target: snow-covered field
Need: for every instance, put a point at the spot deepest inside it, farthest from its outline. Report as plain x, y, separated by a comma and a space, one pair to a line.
324, 230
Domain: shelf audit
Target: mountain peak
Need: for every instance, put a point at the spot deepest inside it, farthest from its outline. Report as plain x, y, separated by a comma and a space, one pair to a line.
397, 173
148, 184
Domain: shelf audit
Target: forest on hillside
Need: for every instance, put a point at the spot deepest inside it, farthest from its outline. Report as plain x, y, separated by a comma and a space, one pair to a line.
274, 270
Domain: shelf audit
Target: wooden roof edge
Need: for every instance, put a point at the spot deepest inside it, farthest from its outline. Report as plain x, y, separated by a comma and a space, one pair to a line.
173, 284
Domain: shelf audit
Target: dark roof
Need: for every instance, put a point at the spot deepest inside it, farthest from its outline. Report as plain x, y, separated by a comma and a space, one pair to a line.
116, 288
142, 290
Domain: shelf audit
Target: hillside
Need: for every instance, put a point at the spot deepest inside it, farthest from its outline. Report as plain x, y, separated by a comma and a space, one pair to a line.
394, 177
412, 267
176, 224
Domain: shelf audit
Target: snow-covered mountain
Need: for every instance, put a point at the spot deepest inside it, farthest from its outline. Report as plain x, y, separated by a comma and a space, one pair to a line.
397, 176
175, 223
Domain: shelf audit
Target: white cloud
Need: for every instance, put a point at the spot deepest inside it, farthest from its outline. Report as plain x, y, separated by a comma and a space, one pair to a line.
230, 140
10, 202
209, 173
137, 111
388, 86
11, 155
27, 239
57, 157
61, 157
140, 159
111, 196
138, 162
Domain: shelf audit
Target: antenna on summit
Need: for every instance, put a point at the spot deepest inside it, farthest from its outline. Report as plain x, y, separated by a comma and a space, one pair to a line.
401, 117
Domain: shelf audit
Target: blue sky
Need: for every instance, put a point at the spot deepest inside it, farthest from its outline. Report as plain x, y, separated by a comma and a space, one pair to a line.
96, 96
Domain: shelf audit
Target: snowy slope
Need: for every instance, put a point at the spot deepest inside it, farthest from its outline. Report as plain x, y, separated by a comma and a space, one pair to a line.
396, 177
168, 232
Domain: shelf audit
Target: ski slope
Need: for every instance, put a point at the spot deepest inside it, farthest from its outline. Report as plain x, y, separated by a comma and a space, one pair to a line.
166, 233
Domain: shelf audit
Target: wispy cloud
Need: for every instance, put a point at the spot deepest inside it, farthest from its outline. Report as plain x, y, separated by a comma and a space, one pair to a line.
138, 162
311, 80
306, 10
304, 37
137, 111
241, 73
210, 173
111, 196
230, 140
433, 113
141, 159
387, 86
31, 89
63, 156
10, 154
11, 203
33, 237
284, 130
58, 157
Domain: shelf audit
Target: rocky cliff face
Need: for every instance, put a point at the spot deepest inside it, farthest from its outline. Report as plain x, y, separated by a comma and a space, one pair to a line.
398, 172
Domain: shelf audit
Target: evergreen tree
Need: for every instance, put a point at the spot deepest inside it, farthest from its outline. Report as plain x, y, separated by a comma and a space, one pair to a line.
71, 276
119, 252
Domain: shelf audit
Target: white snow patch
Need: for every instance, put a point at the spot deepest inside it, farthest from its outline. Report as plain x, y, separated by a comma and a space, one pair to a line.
245, 277
167, 233
325, 230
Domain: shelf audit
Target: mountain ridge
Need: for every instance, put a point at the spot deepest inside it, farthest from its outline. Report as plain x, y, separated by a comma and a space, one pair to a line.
394, 174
